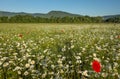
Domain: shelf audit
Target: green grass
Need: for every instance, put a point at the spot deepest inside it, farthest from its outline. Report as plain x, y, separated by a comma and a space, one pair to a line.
59, 51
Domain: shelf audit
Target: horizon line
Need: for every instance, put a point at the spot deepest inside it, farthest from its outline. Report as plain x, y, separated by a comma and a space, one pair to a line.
58, 10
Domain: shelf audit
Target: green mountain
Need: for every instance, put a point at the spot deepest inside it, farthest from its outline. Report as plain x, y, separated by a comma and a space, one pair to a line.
61, 14
49, 14
111, 16
9, 14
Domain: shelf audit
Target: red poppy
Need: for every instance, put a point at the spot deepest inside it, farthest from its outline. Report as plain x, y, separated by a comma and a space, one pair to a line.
96, 66
63, 30
118, 36
20, 35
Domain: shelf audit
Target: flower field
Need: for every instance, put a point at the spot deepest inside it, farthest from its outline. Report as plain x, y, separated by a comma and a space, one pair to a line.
59, 51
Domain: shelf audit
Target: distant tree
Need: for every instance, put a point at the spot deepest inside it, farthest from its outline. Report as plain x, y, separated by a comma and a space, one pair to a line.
3, 19
96, 19
22, 19
52, 19
113, 20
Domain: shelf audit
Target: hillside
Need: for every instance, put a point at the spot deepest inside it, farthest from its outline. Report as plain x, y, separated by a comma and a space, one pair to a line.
50, 14
111, 16
47, 15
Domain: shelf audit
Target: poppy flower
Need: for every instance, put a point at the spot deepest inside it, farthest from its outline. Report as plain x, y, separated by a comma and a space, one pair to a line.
96, 66
63, 30
118, 36
20, 35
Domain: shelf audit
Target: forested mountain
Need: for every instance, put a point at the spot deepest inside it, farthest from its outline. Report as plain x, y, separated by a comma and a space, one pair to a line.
54, 17
111, 16
47, 15
10, 14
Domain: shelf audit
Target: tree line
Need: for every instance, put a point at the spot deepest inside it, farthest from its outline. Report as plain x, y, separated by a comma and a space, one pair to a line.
52, 19
113, 20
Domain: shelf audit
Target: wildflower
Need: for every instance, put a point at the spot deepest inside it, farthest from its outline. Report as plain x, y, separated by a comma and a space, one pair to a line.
44, 75
109, 67
61, 71
20, 78
60, 65
83, 49
97, 59
24, 45
51, 77
20, 35
15, 54
59, 56
77, 57
28, 50
17, 68
63, 58
5, 64
59, 61
116, 64
118, 36
18, 44
19, 72
33, 71
78, 61
85, 73
111, 37
0, 63
29, 60
51, 73
94, 54
98, 48
45, 50
32, 66
79, 71
96, 66
104, 74
52, 66
32, 62
26, 73
27, 65
4, 58
63, 31
64, 48
11, 62
72, 46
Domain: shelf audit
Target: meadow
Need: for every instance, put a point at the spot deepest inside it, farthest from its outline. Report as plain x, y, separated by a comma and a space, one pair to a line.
59, 51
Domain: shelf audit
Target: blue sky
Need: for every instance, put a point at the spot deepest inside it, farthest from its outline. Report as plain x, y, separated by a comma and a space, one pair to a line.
83, 7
